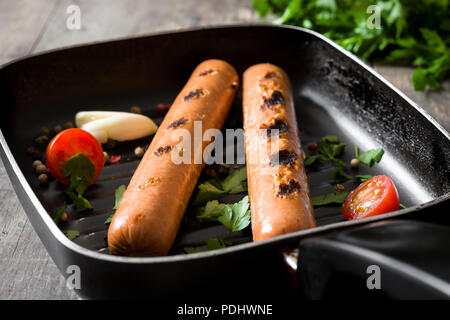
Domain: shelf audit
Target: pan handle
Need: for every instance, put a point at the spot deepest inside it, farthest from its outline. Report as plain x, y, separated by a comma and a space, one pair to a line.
402, 259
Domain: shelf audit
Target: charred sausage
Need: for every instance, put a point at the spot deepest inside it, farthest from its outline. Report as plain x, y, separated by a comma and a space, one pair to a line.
277, 183
149, 215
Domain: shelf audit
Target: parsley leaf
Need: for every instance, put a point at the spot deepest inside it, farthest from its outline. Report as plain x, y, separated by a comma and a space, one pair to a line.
310, 160
370, 157
415, 33
364, 177
211, 190
338, 197
211, 211
118, 195
71, 234
80, 171
108, 221
237, 217
192, 249
338, 174
215, 243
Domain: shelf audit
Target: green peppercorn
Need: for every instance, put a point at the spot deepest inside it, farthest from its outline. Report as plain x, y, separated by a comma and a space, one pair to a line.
41, 139
68, 125
339, 188
45, 131
136, 109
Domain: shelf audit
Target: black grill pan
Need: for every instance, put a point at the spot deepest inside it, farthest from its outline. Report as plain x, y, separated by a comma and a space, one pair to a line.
335, 93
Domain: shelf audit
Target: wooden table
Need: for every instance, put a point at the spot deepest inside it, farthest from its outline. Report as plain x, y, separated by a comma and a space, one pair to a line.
30, 26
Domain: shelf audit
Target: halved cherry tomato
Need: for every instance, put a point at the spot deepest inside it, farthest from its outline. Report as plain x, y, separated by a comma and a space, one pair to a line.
373, 197
68, 143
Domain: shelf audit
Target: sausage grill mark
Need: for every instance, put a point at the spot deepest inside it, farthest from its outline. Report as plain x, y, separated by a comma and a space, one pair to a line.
277, 128
275, 99
287, 189
177, 123
283, 157
206, 72
162, 150
193, 94
270, 75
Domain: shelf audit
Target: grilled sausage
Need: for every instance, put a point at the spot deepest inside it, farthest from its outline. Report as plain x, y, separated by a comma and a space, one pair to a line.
277, 183
149, 215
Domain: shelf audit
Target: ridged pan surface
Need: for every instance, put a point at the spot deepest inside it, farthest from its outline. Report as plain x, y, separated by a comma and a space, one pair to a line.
333, 94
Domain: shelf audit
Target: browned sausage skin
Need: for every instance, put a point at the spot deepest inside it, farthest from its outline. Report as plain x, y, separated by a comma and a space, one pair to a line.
149, 215
277, 183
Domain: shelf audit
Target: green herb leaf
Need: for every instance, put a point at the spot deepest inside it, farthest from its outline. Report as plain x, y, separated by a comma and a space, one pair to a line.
237, 217
338, 174
118, 194
108, 221
310, 160
71, 234
59, 212
211, 190
211, 211
215, 243
331, 147
364, 177
192, 249
79, 201
370, 157
331, 198
80, 171
402, 206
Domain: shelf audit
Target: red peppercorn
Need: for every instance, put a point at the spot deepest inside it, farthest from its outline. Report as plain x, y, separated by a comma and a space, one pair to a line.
312, 146
162, 107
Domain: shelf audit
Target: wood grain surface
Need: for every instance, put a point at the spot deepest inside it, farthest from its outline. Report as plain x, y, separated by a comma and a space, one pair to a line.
30, 26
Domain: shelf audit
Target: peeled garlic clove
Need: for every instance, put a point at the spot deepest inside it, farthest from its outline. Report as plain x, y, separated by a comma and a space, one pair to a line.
120, 126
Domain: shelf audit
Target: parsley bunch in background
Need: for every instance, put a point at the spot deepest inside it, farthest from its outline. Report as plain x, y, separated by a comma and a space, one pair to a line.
413, 32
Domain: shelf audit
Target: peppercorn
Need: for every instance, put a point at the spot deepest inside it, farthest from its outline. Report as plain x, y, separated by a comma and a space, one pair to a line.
35, 154
354, 163
41, 139
339, 188
223, 169
110, 144
136, 109
64, 216
211, 173
57, 128
36, 163
42, 168
139, 152
162, 107
45, 131
312, 146
43, 179
106, 155
68, 125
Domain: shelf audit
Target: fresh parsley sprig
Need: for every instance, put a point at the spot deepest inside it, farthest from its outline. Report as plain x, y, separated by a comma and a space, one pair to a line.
213, 190
80, 171
118, 194
416, 33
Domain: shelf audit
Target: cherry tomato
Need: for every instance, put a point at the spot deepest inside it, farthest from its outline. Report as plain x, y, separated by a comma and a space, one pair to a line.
68, 143
373, 197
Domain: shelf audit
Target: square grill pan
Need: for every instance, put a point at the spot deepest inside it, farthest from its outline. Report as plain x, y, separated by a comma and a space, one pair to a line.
334, 92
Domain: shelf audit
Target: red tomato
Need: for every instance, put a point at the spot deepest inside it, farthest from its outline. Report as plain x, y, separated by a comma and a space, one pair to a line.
373, 197
68, 143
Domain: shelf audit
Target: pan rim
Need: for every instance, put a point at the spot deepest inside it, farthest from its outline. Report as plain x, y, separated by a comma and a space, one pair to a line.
70, 245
